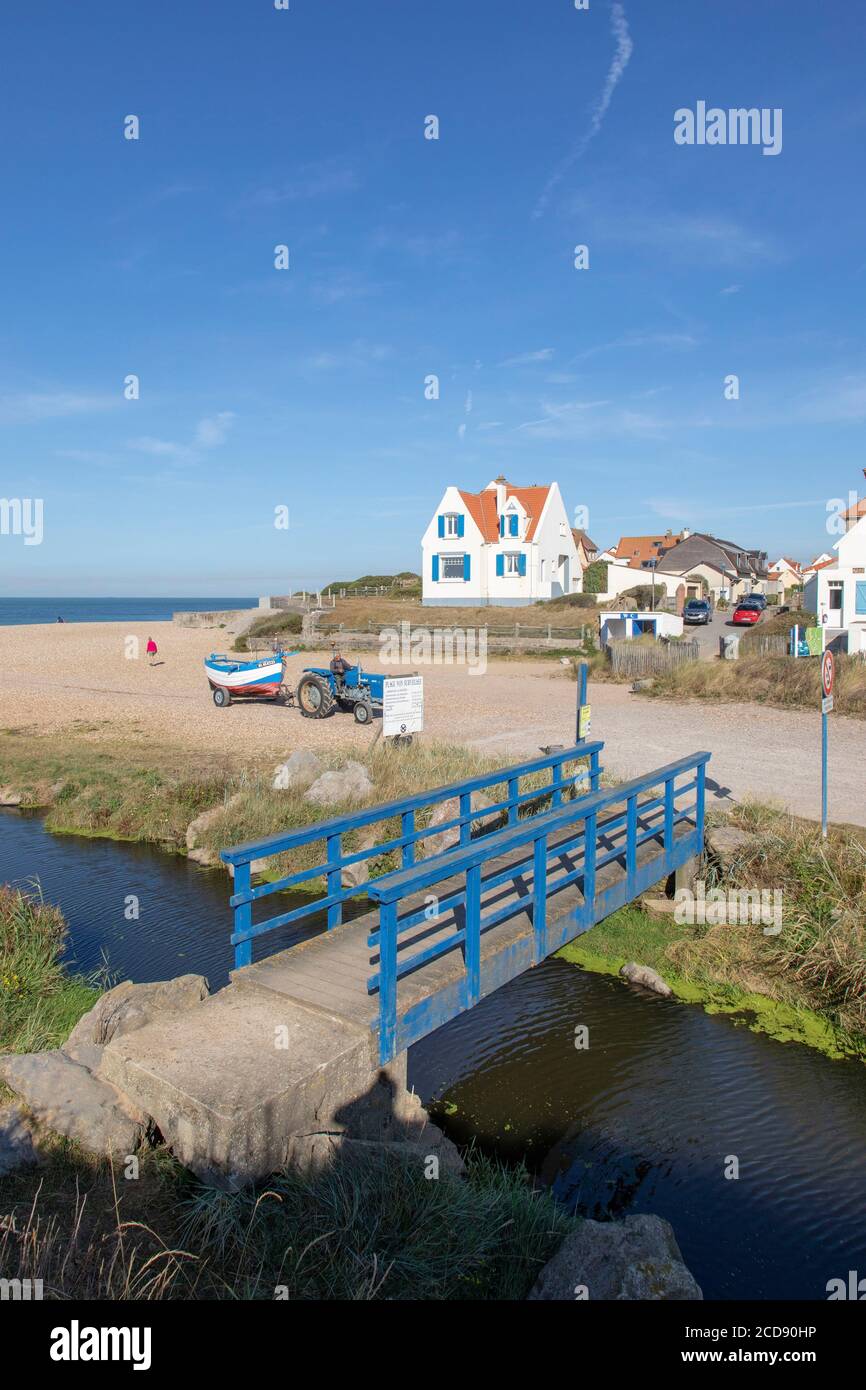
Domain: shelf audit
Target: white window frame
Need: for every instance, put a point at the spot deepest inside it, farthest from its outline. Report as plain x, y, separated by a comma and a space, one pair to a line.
511, 564
451, 578
450, 527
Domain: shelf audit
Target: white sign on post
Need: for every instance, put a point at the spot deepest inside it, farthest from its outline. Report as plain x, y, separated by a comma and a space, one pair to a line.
402, 705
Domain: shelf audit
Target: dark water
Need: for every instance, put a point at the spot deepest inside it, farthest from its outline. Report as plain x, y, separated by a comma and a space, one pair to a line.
16, 611
644, 1120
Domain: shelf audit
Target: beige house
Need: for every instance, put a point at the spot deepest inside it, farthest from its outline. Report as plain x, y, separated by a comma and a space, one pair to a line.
784, 575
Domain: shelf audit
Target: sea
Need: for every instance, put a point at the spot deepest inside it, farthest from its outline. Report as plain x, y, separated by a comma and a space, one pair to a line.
14, 612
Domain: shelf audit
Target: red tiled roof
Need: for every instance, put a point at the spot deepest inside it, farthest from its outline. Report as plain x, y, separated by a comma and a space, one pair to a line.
481, 506
639, 549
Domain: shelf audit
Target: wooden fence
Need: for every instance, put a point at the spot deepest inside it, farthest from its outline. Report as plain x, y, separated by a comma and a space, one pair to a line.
765, 644
519, 631
630, 658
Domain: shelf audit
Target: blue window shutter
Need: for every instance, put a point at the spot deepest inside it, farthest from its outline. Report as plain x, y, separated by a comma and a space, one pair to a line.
460, 525
860, 602
500, 566
436, 565
513, 524
502, 525
441, 521
522, 564
465, 566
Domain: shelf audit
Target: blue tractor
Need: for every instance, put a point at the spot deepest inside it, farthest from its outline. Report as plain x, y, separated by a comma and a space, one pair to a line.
323, 689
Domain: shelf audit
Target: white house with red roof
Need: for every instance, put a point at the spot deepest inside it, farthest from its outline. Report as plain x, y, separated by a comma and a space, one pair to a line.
503, 545
836, 588
785, 574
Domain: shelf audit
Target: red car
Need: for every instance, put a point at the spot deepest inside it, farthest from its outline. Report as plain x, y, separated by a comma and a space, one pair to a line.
747, 612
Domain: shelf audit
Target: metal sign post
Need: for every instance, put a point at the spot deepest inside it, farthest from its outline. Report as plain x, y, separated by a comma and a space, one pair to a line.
583, 709
827, 674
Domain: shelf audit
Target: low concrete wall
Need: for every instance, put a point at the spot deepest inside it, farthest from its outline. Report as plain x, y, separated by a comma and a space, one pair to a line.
214, 618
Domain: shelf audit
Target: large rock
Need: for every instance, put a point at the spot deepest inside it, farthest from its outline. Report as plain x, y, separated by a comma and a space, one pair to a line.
197, 827
128, 1006
354, 875
70, 1100
208, 858
310, 1153
16, 1141
449, 810
637, 1259
349, 783
299, 770
648, 978
727, 844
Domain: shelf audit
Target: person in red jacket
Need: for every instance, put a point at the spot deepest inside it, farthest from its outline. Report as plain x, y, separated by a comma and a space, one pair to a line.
151, 649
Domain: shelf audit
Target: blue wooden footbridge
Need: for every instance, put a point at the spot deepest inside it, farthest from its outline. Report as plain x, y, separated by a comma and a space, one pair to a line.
425, 937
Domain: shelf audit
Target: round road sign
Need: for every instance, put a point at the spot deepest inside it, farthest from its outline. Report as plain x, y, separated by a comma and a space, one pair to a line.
827, 673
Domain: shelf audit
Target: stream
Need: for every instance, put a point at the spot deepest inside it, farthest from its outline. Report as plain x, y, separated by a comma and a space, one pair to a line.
645, 1119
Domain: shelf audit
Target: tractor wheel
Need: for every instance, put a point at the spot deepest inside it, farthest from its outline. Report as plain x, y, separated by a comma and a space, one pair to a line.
314, 697
221, 698
363, 712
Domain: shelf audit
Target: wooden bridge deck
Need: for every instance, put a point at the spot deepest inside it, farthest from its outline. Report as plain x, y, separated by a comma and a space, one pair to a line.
331, 972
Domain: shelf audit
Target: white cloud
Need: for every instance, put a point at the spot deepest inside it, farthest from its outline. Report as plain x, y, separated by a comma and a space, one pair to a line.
28, 407
214, 430
210, 432
622, 53
319, 180
524, 359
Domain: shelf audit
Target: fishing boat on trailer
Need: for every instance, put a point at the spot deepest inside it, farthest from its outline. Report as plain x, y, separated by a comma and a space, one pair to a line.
260, 679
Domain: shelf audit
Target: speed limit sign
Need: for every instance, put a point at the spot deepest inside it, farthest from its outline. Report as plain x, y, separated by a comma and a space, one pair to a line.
827, 673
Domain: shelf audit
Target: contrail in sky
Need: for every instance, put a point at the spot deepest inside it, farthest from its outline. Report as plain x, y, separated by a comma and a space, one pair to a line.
619, 63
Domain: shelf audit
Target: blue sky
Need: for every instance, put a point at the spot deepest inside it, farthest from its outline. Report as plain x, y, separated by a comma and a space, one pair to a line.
305, 388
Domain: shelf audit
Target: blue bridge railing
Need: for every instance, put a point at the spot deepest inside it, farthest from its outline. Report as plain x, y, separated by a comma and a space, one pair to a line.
409, 842
608, 826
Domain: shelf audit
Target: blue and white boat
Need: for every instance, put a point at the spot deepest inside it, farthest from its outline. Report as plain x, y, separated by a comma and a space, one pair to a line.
259, 679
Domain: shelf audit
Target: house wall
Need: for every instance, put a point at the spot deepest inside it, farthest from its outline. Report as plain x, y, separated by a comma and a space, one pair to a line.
850, 573
622, 577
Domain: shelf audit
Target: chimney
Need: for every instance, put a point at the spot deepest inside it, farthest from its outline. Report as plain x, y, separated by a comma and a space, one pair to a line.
501, 489
685, 533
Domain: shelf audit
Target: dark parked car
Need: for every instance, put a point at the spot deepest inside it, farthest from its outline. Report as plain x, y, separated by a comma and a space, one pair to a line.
697, 610
759, 599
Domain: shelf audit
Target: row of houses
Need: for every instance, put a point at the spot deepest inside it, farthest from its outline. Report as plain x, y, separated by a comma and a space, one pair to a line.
514, 545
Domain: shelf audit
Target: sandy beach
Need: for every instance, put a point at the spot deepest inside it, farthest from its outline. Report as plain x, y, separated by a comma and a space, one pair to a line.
75, 680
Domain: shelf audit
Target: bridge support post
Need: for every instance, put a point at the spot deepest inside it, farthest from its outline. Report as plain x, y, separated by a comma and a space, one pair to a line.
687, 874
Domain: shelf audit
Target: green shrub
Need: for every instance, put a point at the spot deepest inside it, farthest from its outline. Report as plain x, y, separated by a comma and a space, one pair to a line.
595, 577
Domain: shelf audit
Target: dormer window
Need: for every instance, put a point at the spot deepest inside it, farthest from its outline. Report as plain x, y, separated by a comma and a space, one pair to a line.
509, 524
450, 525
